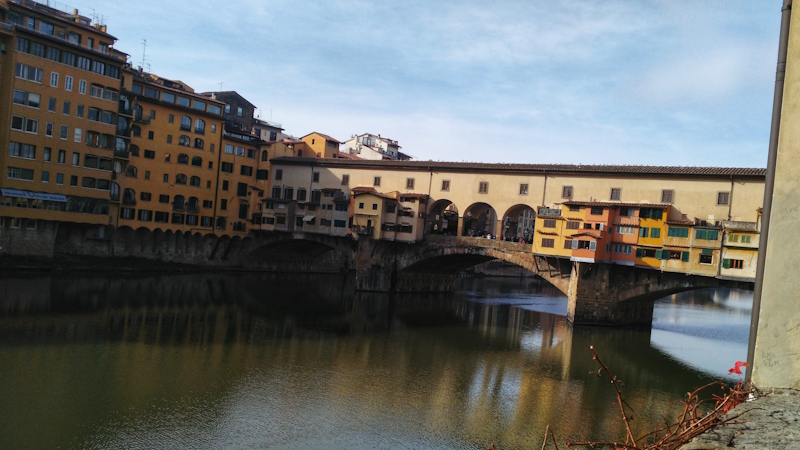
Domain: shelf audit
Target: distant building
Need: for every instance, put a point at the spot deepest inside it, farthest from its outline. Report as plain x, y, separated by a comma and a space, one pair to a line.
374, 147
322, 145
267, 131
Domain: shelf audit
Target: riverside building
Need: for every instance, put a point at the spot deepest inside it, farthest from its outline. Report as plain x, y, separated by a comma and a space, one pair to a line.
61, 78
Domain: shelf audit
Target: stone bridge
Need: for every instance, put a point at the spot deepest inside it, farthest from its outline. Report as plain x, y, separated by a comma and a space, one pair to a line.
597, 293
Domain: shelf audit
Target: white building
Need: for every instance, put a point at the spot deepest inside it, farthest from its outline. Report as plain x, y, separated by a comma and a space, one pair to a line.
373, 147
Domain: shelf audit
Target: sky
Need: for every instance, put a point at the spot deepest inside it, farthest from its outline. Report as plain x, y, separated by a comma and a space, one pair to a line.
580, 82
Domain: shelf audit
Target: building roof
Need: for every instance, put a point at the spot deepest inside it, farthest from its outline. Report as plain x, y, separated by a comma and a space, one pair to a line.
345, 155
412, 195
685, 222
586, 233
666, 171
59, 15
361, 190
234, 93
617, 204
325, 136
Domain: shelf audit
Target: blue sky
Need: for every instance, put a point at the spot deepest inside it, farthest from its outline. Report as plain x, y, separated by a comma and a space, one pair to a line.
624, 82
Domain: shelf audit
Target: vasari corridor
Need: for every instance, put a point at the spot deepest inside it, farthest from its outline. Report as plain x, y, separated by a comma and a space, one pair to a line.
586, 240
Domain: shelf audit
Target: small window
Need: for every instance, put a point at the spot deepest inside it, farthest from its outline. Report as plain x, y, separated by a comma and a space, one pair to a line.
723, 198
376, 181
483, 187
314, 177
667, 196
523, 189
616, 193
596, 210
566, 192
409, 183
345, 180
445, 185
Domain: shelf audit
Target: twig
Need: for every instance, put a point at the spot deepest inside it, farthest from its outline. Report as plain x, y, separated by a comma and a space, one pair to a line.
629, 437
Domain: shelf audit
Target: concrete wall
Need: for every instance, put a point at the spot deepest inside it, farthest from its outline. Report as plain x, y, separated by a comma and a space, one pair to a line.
777, 351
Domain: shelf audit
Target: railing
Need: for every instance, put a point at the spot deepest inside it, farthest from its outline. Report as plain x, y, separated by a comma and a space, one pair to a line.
193, 208
360, 229
478, 242
146, 119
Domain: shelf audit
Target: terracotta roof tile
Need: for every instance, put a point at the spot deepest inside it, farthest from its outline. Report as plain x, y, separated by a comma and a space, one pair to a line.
535, 168
617, 204
586, 233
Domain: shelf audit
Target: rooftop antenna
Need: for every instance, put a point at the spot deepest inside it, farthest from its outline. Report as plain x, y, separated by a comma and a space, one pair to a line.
270, 114
220, 85
144, 50
148, 68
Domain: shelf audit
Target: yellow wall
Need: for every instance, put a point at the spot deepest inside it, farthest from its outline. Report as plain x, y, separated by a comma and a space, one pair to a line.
362, 214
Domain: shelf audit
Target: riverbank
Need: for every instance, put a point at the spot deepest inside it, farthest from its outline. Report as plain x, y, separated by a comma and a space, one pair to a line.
767, 423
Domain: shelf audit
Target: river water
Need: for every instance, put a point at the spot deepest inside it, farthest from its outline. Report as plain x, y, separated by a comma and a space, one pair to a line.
203, 361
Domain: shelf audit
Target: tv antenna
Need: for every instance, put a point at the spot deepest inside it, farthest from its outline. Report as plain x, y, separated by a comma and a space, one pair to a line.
220, 85
144, 51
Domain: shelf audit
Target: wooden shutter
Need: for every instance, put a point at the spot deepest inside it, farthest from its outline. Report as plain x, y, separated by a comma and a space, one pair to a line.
592, 245
712, 235
726, 263
700, 234
707, 251
659, 254
639, 252
685, 256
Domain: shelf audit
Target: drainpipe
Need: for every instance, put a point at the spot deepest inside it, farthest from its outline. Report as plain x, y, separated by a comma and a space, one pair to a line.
769, 184
730, 200
544, 189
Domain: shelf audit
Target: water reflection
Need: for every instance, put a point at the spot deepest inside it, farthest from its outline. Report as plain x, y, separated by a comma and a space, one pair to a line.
265, 361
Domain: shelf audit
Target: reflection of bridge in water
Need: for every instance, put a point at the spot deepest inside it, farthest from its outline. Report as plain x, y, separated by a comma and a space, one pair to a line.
193, 331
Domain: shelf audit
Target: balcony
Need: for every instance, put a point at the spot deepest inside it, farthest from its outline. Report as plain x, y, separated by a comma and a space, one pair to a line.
193, 208
178, 207
361, 229
121, 153
143, 119
549, 212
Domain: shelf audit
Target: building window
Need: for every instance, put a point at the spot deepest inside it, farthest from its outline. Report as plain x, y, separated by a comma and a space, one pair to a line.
549, 223
376, 181
723, 197
548, 243
706, 259
596, 210
409, 183
678, 232
643, 232
710, 235
345, 180
54, 79
573, 225
68, 83
445, 185
732, 263
483, 187
523, 189
65, 108
566, 192
667, 196
82, 86
199, 126
616, 193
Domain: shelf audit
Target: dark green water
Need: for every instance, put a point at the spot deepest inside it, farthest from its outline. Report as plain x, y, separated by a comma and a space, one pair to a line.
272, 361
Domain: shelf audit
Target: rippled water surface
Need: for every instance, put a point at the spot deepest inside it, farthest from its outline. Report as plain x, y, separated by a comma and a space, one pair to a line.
264, 361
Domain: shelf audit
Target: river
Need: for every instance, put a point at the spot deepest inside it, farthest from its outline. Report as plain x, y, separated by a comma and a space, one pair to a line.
198, 361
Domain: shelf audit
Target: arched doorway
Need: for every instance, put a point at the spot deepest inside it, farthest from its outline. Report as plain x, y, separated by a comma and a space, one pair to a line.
442, 218
480, 220
518, 223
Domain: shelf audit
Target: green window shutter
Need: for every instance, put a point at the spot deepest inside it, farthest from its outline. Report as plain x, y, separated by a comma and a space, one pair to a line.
685, 256
639, 252
659, 254
713, 235
726, 263
707, 251
643, 232
655, 233
685, 232
700, 234
671, 232
745, 239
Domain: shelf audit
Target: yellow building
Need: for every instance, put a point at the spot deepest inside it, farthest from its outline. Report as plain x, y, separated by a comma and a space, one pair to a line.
651, 235
61, 79
677, 245
242, 164
740, 250
550, 230
374, 213
704, 258
322, 145
170, 179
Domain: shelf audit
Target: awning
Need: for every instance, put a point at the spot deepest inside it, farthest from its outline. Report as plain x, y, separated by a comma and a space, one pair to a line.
34, 195
308, 218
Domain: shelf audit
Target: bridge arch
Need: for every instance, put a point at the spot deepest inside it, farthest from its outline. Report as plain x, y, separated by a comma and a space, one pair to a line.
517, 222
442, 218
479, 219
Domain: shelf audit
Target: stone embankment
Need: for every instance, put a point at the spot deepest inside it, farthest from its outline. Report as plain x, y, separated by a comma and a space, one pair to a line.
767, 423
